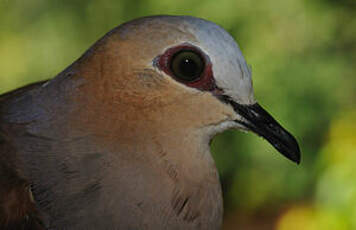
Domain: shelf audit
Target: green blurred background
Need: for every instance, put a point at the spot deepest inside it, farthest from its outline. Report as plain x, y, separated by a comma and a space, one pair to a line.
303, 58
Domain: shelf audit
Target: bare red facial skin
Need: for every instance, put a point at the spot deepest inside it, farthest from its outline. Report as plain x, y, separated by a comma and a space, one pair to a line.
205, 82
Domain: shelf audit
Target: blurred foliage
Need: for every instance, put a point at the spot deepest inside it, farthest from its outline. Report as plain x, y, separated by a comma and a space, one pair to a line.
303, 56
334, 203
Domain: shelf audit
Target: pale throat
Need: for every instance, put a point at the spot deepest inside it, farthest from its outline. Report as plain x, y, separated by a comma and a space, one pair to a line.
187, 153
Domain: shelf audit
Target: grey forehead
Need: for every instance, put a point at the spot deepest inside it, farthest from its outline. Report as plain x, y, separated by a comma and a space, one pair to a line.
209, 31
206, 31
217, 41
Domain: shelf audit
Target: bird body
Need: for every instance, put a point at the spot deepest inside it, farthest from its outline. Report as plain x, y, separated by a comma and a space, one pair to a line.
118, 141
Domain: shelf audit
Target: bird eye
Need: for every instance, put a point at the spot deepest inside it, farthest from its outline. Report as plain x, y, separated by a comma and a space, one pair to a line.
187, 65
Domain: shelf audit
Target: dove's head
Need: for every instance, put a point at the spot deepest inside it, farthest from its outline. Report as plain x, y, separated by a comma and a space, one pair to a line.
178, 75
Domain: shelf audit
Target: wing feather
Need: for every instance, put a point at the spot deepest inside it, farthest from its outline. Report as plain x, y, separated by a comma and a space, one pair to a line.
17, 207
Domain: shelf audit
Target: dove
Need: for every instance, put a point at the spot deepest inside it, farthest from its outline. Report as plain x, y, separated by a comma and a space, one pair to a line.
121, 138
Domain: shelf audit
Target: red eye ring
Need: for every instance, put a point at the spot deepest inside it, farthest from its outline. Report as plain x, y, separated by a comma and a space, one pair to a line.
205, 82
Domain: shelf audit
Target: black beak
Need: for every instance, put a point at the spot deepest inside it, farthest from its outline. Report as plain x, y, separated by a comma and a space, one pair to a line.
262, 123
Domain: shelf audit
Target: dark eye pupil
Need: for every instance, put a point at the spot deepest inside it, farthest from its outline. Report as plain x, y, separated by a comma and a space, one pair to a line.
187, 65
188, 68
